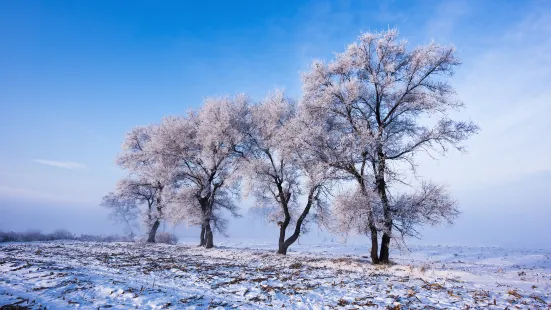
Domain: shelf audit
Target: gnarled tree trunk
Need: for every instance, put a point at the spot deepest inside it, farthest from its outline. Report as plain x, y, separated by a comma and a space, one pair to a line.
153, 231
203, 239
282, 229
285, 244
284, 203
206, 231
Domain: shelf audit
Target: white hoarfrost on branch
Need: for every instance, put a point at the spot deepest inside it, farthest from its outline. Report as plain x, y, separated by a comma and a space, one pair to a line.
352, 210
368, 104
289, 185
363, 118
204, 150
147, 175
431, 204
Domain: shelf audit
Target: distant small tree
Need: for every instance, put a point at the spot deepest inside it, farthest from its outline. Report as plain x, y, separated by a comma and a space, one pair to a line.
378, 105
122, 209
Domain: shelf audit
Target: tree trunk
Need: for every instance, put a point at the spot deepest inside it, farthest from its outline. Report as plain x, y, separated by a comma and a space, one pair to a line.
206, 231
374, 238
284, 203
283, 246
384, 255
372, 228
203, 239
282, 249
208, 235
374, 244
153, 231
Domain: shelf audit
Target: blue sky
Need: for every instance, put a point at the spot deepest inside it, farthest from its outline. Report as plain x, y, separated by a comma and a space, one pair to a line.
76, 75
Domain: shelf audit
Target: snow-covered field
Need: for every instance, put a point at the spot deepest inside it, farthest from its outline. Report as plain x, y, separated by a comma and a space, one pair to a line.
248, 275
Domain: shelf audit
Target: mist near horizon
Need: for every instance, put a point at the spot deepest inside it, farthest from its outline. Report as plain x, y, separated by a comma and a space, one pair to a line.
492, 217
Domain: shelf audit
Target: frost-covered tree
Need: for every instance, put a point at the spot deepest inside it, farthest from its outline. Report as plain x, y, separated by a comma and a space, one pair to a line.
203, 150
430, 204
287, 183
327, 139
121, 209
147, 176
378, 105
147, 195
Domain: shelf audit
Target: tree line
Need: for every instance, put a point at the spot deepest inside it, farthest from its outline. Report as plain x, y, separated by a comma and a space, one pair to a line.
338, 157
62, 234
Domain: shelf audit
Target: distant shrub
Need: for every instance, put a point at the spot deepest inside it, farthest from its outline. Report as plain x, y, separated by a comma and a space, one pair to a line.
102, 238
140, 239
33, 235
165, 237
9, 236
60, 234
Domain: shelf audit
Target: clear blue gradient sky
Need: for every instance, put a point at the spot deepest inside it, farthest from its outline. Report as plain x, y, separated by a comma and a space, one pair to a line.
75, 76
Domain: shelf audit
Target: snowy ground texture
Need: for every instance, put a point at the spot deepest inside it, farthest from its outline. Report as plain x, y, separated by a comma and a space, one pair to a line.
60, 275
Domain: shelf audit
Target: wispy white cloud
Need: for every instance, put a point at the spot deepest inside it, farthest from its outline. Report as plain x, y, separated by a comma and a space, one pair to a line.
60, 164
